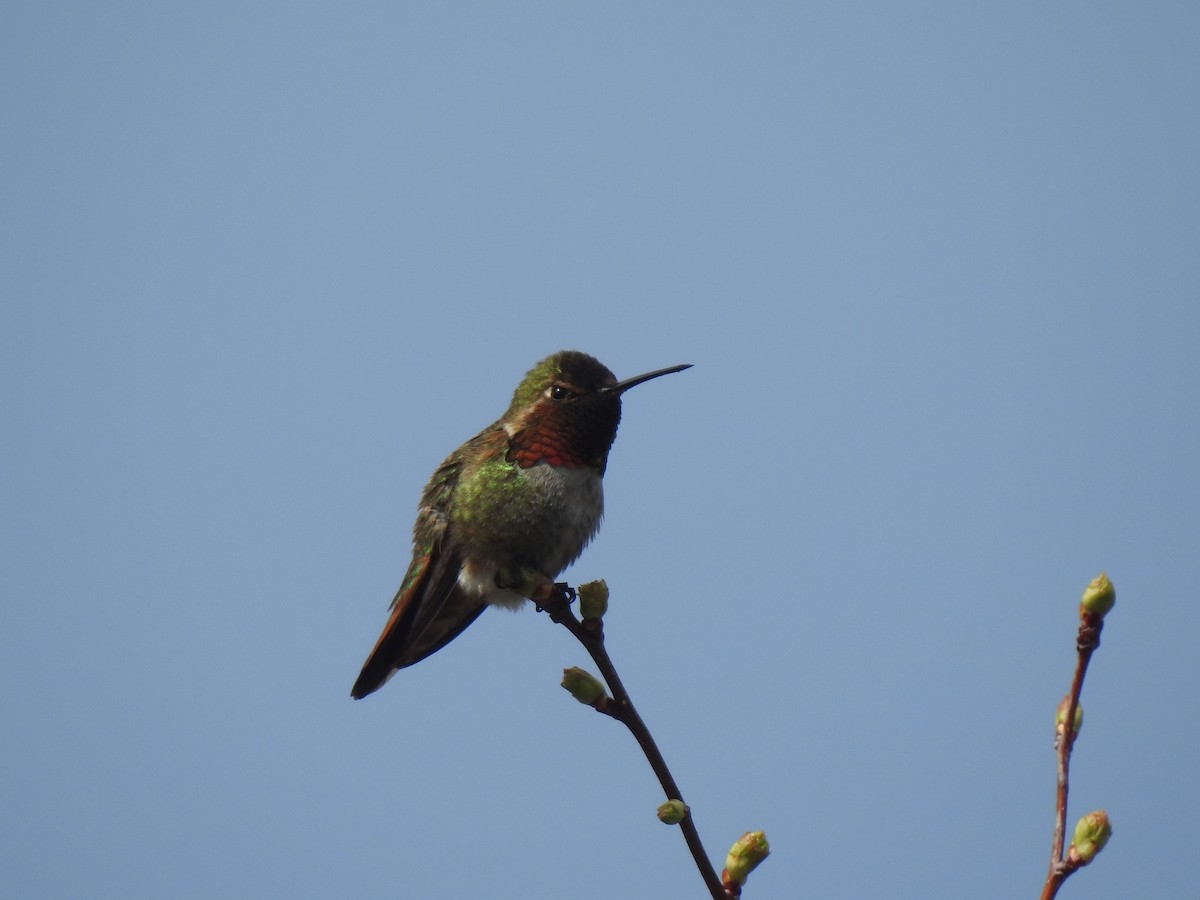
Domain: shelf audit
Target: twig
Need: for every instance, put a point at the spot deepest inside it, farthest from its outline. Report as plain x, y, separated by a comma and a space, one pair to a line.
1086, 643
591, 635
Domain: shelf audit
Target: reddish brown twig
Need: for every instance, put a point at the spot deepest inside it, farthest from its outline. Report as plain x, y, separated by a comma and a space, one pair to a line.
1062, 866
591, 635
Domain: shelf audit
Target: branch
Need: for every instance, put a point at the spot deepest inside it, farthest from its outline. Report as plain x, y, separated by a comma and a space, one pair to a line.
1093, 829
590, 633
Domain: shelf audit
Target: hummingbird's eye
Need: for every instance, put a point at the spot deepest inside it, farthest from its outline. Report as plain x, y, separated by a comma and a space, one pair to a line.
558, 392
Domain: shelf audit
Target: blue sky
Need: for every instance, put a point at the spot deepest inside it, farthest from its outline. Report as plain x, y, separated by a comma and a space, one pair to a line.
264, 265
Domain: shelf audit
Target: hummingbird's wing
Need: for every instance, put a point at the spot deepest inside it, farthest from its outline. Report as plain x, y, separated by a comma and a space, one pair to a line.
430, 609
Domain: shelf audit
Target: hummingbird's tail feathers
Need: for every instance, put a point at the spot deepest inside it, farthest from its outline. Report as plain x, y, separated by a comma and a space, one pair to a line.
374, 675
380, 665
429, 611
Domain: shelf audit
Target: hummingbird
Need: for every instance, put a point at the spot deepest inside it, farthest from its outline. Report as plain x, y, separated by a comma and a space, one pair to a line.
507, 511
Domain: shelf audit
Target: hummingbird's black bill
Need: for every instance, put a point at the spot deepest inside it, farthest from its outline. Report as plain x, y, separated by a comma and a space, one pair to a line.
621, 386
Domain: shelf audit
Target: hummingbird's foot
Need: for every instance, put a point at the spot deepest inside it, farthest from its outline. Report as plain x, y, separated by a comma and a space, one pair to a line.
527, 582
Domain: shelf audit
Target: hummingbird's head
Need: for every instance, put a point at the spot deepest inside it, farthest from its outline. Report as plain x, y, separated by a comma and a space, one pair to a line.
566, 411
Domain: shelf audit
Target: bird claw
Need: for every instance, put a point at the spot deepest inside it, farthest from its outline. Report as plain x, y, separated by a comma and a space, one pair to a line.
560, 595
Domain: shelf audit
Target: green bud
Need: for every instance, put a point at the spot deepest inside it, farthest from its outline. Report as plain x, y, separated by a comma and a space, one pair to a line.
672, 812
593, 599
1099, 596
1060, 718
583, 685
1091, 834
745, 855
